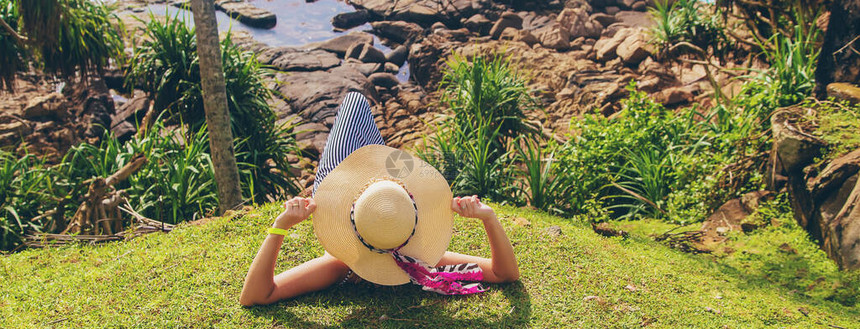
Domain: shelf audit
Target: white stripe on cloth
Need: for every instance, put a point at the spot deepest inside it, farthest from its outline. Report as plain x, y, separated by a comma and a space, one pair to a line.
353, 128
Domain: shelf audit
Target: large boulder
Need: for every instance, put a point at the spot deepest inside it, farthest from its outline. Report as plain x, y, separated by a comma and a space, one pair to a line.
793, 148
635, 19
554, 36
479, 24
51, 106
606, 47
318, 94
507, 20
836, 211
844, 92
249, 14
579, 24
292, 59
397, 55
423, 12
397, 31
350, 19
635, 47
342, 43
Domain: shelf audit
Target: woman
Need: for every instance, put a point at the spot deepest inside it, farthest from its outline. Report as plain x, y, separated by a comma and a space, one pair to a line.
424, 208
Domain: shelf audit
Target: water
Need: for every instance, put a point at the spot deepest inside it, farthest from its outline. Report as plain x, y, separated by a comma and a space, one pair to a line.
299, 23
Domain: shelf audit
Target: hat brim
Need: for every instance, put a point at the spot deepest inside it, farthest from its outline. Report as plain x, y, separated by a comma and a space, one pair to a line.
335, 195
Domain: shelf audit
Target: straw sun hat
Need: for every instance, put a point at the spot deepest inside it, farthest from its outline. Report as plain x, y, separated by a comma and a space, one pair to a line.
378, 199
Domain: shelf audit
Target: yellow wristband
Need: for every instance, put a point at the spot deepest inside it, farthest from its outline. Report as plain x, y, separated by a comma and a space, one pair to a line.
278, 231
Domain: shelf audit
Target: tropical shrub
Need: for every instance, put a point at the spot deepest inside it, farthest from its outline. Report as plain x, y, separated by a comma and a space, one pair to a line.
167, 67
70, 38
473, 147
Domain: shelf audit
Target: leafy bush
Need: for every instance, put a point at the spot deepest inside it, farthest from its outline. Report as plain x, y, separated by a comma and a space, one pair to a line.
167, 67
633, 162
545, 185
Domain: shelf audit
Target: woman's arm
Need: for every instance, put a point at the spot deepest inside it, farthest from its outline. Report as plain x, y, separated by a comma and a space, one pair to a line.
502, 267
263, 287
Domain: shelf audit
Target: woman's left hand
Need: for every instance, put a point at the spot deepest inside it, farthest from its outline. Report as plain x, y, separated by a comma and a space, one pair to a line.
296, 210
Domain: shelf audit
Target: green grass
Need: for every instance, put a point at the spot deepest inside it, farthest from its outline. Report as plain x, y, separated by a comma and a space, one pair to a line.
192, 278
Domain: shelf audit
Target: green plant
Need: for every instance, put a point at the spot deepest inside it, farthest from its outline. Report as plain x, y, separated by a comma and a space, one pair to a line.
167, 67
686, 21
546, 184
11, 49
25, 192
488, 92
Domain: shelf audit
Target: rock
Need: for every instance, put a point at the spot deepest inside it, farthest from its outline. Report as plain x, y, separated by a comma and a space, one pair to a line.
292, 59
391, 68
123, 131
132, 111
578, 23
553, 231
626, 4
507, 20
371, 55
308, 130
385, 80
438, 26
350, 19
606, 47
526, 37
398, 55
793, 148
611, 10
318, 94
611, 30
422, 12
634, 19
249, 14
639, 6
365, 68
18, 128
50, 106
459, 35
605, 230
397, 31
355, 50
844, 92
727, 218
479, 24
635, 48
555, 37
342, 43
509, 34
604, 19
835, 215
674, 96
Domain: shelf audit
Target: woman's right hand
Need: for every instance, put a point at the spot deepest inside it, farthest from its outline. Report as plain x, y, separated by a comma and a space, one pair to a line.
296, 210
472, 207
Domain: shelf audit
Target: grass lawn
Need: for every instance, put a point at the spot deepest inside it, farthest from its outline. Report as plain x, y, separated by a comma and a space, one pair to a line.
192, 278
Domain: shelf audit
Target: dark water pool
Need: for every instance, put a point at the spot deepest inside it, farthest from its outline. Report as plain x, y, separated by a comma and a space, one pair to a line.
299, 23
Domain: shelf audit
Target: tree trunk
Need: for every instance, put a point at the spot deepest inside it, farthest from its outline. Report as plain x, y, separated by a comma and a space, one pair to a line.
215, 105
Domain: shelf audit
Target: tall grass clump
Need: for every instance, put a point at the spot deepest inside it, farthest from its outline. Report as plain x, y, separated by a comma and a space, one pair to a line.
473, 146
686, 21
167, 67
25, 189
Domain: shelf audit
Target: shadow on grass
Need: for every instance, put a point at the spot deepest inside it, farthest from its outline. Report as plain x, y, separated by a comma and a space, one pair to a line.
365, 305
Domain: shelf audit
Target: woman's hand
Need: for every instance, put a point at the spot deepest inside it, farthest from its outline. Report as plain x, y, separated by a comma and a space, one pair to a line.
472, 207
296, 210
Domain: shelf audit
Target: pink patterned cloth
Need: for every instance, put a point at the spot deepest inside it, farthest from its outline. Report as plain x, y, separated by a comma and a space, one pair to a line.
444, 280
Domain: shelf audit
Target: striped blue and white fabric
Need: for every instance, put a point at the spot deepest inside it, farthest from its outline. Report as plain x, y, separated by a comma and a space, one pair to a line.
353, 128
